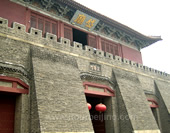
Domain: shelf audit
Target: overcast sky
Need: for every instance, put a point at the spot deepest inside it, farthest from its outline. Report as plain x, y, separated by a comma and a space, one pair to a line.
149, 17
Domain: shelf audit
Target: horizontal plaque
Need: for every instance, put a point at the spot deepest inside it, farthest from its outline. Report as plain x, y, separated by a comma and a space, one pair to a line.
95, 67
83, 20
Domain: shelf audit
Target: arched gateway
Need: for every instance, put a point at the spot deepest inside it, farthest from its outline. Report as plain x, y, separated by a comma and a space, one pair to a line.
11, 90
97, 94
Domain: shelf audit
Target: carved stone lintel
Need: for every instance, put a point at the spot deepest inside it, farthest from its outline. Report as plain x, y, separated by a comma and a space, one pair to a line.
86, 75
4, 66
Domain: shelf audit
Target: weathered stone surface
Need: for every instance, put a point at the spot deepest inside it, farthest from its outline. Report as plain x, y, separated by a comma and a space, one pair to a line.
164, 89
59, 92
161, 91
134, 100
56, 100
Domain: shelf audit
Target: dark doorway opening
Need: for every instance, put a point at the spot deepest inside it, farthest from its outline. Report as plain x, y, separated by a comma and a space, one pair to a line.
154, 112
96, 117
7, 112
79, 36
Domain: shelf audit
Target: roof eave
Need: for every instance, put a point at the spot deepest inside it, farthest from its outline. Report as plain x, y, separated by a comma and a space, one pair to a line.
112, 22
151, 40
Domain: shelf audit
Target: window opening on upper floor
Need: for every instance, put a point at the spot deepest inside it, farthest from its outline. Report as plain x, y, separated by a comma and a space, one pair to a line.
110, 47
43, 24
79, 36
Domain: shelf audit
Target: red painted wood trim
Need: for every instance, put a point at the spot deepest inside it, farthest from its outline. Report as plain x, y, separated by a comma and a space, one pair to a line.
28, 20
86, 87
106, 88
74, 27
98, 85
154, 103
153, 106
14, 85
98, 41
62, 29
11, 79
120, 50
152, 100
98, 93
13, 90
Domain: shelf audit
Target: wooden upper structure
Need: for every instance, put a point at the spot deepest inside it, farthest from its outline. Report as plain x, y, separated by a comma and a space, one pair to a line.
56, 17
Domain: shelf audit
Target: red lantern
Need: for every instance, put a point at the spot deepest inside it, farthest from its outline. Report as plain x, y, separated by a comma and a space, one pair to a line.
100, 107
89, 106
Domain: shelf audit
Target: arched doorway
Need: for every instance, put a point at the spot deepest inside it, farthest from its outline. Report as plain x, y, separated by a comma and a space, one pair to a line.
97, 118
7, 112
10, 89
96, 94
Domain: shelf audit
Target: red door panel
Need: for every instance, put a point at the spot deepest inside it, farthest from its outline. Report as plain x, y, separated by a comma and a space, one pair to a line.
7, 113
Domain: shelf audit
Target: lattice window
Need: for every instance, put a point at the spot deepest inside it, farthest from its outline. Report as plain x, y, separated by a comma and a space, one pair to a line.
109, 47
103, 45
92, 41
47, 26
43, 23
33, 21
68, 33
40, 24
54, 28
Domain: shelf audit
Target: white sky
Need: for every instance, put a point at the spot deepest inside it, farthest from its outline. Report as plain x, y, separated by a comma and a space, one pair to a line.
149, 17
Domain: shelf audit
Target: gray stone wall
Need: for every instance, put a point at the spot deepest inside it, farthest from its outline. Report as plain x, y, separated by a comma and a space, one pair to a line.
60, 94
56, 98
135, 100
110, 115
163, 111
124, 123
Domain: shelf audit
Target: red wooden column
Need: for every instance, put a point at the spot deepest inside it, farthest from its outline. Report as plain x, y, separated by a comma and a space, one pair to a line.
120, 50
60, 29
27, 19
92, 41
68, 32
98, 39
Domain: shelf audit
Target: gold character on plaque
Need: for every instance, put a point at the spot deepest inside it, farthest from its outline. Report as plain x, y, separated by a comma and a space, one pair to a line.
90, 23
80, 19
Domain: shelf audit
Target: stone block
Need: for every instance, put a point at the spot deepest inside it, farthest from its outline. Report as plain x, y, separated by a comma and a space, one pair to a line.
108, 55
146, 68
36, 33
126, 61
18, 27
89, 49
158, 72
133, 63
51, 37
64, 41
100, 53
140, 65
77, 45
118, 58
151, 69
163, 73
3, 22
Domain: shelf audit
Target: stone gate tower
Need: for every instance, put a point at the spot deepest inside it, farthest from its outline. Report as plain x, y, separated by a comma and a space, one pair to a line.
57, 55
